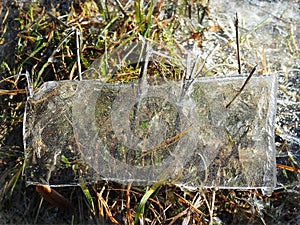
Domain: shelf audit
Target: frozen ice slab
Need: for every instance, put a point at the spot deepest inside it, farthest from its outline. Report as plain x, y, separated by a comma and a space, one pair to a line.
106, 131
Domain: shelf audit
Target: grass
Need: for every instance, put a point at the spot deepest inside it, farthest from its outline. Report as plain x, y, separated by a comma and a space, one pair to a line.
46, 45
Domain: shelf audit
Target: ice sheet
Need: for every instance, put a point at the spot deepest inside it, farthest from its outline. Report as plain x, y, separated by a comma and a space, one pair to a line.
89, 129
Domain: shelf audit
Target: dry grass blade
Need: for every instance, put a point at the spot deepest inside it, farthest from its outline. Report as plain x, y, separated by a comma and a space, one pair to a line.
167, 142
192, 206
179, 215
211, 210
289, 168
12, 92
106, 207
78, 52
128, 211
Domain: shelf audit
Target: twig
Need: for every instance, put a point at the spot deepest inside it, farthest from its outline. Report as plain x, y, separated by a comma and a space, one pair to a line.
54, 198
205, 12
238, 43
242, 88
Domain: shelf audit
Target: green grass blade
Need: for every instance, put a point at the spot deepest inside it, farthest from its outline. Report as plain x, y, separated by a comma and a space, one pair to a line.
149, 20
139, 15
87, 195
141, 208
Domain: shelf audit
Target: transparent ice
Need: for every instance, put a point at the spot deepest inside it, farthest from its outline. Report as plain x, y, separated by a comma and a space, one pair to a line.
147, 132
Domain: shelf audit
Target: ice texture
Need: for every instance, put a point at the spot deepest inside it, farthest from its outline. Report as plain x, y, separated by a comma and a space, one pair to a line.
104, 131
